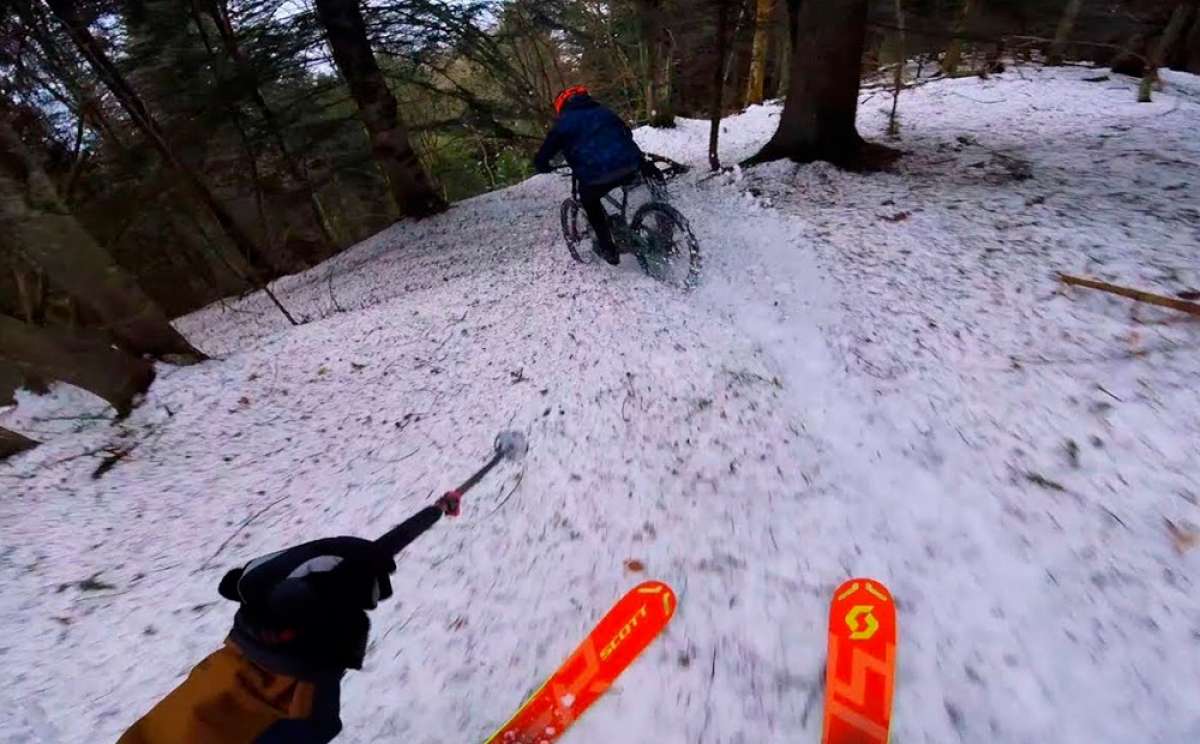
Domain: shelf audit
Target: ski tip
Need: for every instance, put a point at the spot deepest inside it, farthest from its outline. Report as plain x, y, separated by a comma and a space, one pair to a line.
872, 587
661, 589
636, 619
653, 586
860, 664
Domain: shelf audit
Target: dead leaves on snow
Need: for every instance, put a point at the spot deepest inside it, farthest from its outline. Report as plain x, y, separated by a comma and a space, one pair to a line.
1183, 539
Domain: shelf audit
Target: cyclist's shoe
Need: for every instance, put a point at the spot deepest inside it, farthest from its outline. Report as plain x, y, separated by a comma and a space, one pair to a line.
609, 255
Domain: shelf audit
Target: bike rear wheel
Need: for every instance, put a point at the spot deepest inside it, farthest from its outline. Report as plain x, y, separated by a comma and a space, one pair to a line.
576, 230
667, 250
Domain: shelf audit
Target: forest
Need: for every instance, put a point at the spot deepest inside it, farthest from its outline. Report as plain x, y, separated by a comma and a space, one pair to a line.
887, 335
162, 155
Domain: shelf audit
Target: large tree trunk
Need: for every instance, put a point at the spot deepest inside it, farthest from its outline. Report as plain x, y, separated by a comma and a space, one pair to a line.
38, 224
817, 122
11, 443
758, 53
68, 14
953, 55
656, 41
346, 32
81, 358
218, 12
1062, 37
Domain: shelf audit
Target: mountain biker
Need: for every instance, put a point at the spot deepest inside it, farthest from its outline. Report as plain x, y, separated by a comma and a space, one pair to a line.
600, 149
300, 624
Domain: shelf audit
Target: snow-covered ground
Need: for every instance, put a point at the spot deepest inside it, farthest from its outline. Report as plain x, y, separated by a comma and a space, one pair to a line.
880, 375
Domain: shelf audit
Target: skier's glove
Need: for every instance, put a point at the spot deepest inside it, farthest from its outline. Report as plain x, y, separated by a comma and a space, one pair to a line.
303, 609
449, 503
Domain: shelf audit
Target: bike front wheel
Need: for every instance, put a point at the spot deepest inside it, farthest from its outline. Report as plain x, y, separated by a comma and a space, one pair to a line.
576, 230
667, 250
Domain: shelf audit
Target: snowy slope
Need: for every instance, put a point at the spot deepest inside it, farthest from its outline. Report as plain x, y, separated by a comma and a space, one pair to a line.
879, 376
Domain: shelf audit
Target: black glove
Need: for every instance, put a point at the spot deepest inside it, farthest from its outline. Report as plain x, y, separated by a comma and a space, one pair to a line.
303, 609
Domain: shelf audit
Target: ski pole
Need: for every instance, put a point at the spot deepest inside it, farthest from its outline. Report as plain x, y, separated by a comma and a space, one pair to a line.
509, 445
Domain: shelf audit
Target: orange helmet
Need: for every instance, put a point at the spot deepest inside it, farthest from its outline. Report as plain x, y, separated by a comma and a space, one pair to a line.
567, 95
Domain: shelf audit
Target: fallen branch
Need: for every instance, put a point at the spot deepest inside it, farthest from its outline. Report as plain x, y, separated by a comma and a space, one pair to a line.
503, 501
245, 523
976, 100
666, 166
114, 456
86, 453
1191, 308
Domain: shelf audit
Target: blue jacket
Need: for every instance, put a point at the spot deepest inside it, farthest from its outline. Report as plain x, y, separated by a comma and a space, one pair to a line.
597, 144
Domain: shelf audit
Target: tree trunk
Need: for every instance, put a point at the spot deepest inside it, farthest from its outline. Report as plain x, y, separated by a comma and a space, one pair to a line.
83, 359
1062, 37
664, 108
784, 40
656, 40
31, 290
953, 56
733, 88
10, 379
1160, 51
793, 21
898, 74
233, 113
1191, 59
67, 13
1170, 36
11, 443
818, 119
216, 10
758, 53
717, 106
411, 188
44, 231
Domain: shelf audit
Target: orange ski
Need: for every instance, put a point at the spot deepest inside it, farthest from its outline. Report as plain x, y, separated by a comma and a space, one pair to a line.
862, 664
629, 627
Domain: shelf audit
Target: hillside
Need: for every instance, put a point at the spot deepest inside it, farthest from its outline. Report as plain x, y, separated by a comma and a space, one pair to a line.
879, 375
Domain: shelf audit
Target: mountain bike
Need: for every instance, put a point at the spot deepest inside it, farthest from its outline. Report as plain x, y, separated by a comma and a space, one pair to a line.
658, 235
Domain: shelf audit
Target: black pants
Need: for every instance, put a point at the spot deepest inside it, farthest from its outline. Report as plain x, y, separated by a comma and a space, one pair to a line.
591, 196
